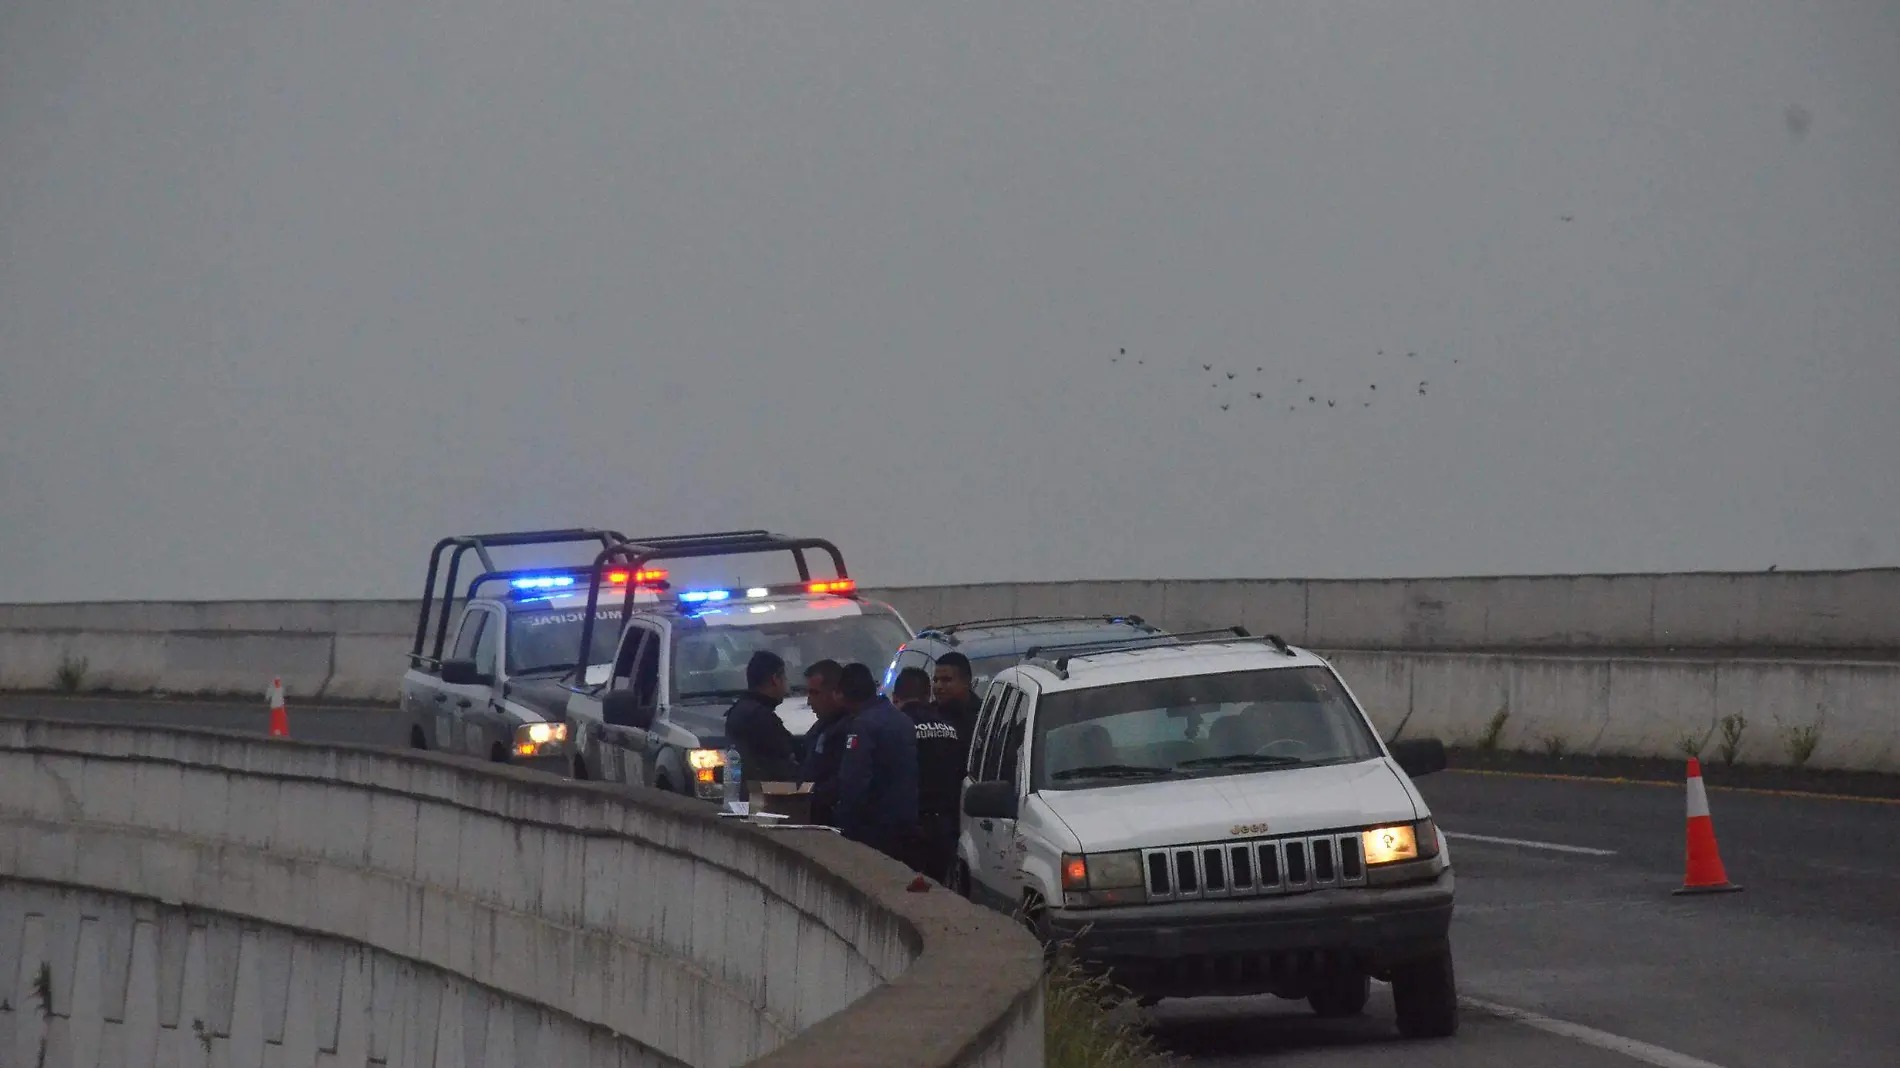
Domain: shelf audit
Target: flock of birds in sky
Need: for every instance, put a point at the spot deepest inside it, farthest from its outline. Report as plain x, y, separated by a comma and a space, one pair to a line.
1231, 389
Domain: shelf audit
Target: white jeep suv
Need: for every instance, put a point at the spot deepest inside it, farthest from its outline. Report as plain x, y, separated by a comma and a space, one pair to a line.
1211, 814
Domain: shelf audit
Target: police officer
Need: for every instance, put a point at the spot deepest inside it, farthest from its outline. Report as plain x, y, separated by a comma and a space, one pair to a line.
766, 750
956, 702
824, 742
877, 779
939, 774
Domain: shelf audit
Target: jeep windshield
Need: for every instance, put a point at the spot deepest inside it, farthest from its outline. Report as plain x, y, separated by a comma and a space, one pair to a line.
540, 641
709, 662
1196, 726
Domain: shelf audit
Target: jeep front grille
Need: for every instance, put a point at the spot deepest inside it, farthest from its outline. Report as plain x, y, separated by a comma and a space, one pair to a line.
1254, 867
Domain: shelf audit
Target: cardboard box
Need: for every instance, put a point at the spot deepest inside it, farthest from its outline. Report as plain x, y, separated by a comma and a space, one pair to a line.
789, 799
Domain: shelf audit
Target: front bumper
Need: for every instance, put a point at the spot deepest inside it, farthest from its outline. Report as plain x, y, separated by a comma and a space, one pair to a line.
559, 762
1260, 945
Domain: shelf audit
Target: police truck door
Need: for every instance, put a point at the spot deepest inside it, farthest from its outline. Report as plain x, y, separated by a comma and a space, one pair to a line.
463, 713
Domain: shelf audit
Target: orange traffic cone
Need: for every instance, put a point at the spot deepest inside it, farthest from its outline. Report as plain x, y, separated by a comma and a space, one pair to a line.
279, 720
1704, 874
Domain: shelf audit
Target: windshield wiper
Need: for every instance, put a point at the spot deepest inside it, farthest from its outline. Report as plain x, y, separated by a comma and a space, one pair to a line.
1239, 760
1110, 771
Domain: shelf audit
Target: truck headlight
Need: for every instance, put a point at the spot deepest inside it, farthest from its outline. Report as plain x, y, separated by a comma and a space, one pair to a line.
536, 739
1398, 843
708, 778
1090, 880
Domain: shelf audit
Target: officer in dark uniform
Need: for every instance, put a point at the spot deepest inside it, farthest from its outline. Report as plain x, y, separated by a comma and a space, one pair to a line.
956, 701
824, 742
877, 781
940, 751
765, 745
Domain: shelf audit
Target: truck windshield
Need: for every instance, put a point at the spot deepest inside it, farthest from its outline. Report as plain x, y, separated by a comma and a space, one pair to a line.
1200, 725
710, 662
545, 641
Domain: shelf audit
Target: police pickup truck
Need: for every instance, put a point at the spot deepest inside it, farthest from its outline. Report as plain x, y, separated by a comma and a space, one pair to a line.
657, 717
645, 703
488, 691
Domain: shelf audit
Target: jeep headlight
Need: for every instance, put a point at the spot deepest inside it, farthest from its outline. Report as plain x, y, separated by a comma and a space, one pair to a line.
1091, 880
537, 739
1399, 842
702, 759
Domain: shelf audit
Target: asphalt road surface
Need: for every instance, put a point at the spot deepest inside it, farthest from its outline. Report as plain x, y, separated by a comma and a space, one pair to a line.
1571, 951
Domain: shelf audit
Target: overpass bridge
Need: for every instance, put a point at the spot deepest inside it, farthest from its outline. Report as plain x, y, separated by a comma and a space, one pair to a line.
202, 897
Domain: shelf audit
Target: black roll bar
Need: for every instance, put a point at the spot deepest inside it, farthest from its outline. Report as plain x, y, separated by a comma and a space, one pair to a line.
635, 556
480, 544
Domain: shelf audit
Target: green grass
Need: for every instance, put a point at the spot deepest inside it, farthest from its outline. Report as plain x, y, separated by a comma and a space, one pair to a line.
1092, 1023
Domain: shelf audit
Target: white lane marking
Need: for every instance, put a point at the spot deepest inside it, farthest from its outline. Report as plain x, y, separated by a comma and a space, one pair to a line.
1590, 1036
1527, 844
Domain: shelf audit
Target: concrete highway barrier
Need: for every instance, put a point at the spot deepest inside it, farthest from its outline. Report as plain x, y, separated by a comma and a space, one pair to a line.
1646, 707
1786, 649
179, 897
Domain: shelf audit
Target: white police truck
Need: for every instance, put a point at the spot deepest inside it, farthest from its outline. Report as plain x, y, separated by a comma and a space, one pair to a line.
493, 684
1211, 814
655, 715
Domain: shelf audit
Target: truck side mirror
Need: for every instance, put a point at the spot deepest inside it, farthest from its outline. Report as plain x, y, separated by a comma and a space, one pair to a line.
990, 800
622, 708
1419, 756
464, 673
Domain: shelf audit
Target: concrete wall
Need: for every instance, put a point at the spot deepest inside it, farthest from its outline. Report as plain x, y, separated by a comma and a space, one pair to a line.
622, 928
132, 983
1632, 707
354, 649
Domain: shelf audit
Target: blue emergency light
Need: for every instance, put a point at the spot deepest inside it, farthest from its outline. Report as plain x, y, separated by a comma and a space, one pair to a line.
542, 582
704, 596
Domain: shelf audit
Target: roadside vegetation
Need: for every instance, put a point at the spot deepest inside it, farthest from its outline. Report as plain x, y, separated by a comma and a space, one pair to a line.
1092, 1023
71, 674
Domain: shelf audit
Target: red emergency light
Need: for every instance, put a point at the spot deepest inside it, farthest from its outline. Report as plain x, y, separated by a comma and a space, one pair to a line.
645, 577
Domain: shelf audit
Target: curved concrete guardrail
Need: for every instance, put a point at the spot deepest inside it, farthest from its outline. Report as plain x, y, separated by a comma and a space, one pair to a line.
172, 897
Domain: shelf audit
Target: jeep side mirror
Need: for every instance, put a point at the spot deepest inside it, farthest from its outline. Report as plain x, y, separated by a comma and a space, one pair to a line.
464, 673
990, 800
1419, 756
622, 708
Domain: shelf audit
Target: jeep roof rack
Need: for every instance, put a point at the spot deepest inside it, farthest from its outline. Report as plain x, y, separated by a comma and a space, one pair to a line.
948, 631
636, 555
1056, 657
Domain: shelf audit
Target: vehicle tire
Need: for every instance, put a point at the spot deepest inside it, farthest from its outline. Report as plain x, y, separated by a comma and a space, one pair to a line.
497, 754
580, 768
960, 880
1338, 996
418, 740
1425, 993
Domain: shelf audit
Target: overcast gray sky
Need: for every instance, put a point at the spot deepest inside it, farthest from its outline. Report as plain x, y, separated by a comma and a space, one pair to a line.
289, 290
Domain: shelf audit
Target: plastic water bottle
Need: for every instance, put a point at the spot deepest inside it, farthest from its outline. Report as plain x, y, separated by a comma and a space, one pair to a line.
734, 789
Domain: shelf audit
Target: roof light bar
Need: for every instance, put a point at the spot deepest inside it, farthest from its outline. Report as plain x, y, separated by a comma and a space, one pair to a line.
827, 587
542, 582
644, 577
